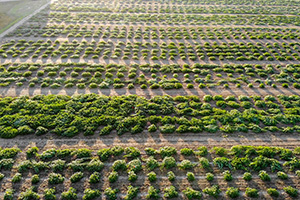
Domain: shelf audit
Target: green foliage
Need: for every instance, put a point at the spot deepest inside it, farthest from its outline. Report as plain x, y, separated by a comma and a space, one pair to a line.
232, 192
213, 191
76, 177
90, 194
190, 176
273, 192
170, 192
293, 192
69, 195
29, 194
251, 192
168, 162
191, 193
113, 177
151, 176
171, 176
55, 178
209, 177
132, 192
247, 176
95, 177
152, 193
111, 194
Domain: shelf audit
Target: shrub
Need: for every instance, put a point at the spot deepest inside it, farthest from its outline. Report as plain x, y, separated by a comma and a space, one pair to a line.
232, 192
169, 162
282, 175
191, 193
247, 176
55, 178
9, 194
76, 177
132, 176
213, 191
273, 192
35, 179
17, 178
171, 176
111, 194
152, 128
152, 193
151, 163
151, 176
49, 194
170, 192
70, 194
90, 194
167, 151
227, 175
186, 151
190, 176
32, 152
293, 192
132, 152
95, 177
135, 165
131, 192
264, 176
209, 177
251, 192
29, 194
1, 176
186, 164
113, 177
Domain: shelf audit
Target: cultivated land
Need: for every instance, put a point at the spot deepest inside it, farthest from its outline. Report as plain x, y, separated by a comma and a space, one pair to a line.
155, 99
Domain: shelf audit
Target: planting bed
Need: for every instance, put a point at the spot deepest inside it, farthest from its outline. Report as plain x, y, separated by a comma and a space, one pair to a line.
128, 172
156, 95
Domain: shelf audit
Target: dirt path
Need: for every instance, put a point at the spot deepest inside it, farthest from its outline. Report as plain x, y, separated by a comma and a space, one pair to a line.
17, 91
155, 140
21, 22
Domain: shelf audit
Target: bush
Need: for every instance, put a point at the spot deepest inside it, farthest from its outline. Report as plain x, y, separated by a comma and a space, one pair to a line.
232, 192
171, 176
191, 193
247, 176
76, 177
293, 192
151, 163
186, 151
251, 192
264, 176
152, 193
273, 192
213, 191
17, 178
55, 178
9, 194
70, 194
132, 176
167, 151
111, 194
151, 176
119, 165
49, 194
90, 194
209, 177
170, 192
282, 175
227, 175
131, 192
135, 165
113, 177
169, 162
95, 177
190, 176
29, 194
152, 128
35, 179
186, 164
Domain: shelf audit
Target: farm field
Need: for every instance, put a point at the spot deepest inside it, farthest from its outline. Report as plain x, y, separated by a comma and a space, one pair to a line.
151, 99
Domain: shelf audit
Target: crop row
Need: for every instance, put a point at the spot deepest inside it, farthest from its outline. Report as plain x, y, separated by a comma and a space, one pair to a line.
154, 8
188, 2
89, 114
122, 32
83, 75
165, 19
188, 173
153, 51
